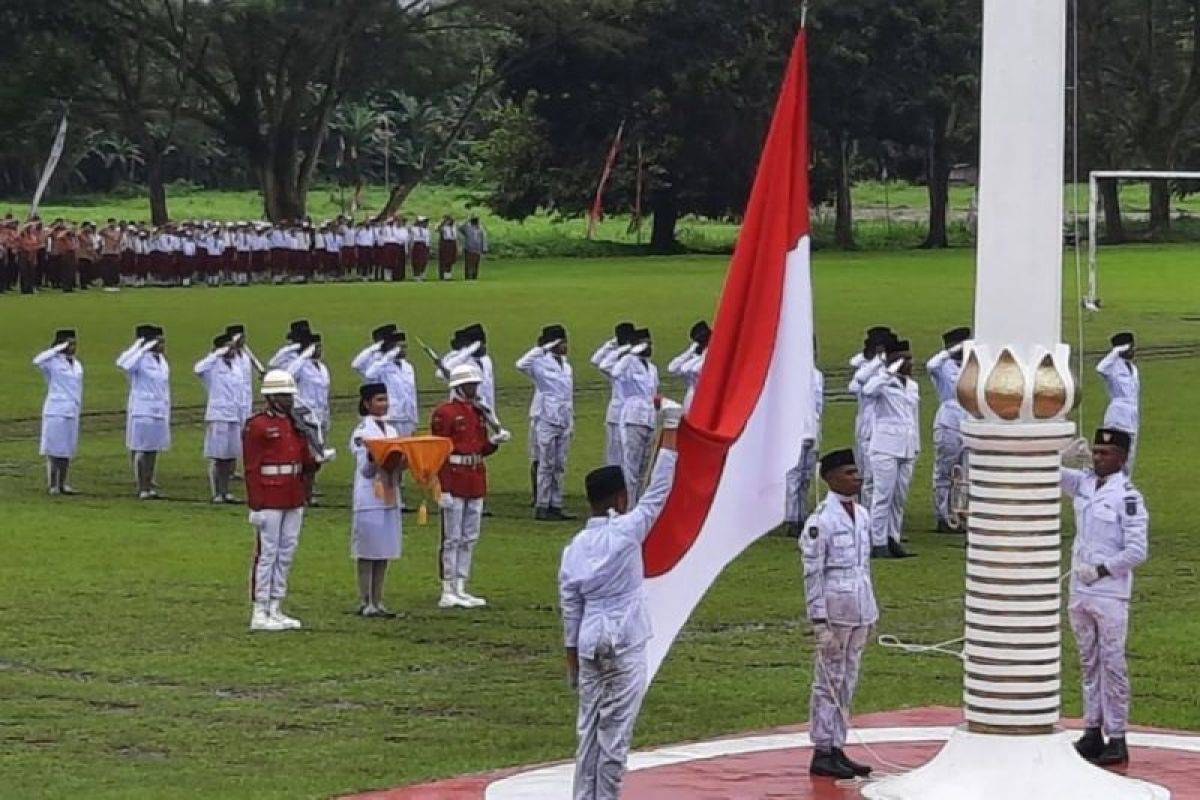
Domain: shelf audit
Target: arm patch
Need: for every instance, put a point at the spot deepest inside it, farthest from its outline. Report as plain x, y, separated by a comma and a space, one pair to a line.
814, 532
1131, 505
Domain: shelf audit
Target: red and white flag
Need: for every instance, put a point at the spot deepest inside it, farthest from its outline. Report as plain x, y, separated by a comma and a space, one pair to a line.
754, 404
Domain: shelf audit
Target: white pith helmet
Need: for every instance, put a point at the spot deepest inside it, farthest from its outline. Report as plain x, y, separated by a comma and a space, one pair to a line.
464, 374
278, 381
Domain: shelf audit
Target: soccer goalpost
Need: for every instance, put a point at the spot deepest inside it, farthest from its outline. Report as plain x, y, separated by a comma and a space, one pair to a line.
1092, 300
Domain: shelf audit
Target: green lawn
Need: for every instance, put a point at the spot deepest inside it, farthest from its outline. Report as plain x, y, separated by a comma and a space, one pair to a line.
126, 670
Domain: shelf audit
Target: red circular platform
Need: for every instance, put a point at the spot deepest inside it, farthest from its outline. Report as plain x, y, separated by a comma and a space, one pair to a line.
1169, 759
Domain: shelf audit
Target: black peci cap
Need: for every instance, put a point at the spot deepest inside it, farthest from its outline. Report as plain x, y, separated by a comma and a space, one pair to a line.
369, 390
700, 333
383, 332
837, 458
551, 333
641, 335
895, 346
602, 484
475, 333
236, 329
64, 335
144, 331
1121, 339
221, 340
298, 330
1114, 437
624, 332
955, 336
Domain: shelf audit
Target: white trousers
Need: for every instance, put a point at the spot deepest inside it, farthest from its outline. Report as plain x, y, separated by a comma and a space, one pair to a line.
1101, 626
612, 444
460, 531
862, 457
835, 677
892, 477
948, 452
611, 688
799, 481
553, 442
278, 534
636, 441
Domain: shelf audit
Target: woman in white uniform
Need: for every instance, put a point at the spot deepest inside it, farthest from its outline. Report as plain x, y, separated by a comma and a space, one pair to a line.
375, 527
60, 412
148, 412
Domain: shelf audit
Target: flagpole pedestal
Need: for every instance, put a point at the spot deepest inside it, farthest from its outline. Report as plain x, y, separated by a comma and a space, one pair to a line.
975, 766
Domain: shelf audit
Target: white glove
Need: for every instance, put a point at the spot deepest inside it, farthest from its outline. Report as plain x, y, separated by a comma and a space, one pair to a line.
500, 437
896, 366
238, 338
472, 348
138, 343
623, 349
1078, 454
612, 342
549, 346
328, 454
823, 634
376, 347
291, 348
308, 351
958, 348
393, 353
445, 501
671, 413
639, 348
1125, 348
221, 351
1087, 574
256, 518
61, 346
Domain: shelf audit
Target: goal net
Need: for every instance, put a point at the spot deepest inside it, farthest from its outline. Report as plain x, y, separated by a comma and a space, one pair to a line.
1129, 191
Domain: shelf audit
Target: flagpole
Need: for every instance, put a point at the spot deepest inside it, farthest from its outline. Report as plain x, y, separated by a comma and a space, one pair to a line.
1017, 389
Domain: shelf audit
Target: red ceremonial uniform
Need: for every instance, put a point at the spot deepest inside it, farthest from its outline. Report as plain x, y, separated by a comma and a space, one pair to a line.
277, 459
462, 423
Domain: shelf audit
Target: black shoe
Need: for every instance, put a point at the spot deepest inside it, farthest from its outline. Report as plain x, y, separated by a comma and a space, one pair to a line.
560, 515
944, 527
895, 550
542, 515
1115, 754
407, 509
486, 513
793, 530
860, 770
880, 552
1091, 744
826, 765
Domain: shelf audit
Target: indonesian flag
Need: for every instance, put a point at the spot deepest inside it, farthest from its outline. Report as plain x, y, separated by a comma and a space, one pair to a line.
754, 404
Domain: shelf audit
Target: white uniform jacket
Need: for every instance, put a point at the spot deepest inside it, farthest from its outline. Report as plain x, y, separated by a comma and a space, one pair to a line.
895, 403
225, 384
149, 382
944, 371
1111, 529
836, 552
64, 383
600, 582
312, 386
554, 383
638, 379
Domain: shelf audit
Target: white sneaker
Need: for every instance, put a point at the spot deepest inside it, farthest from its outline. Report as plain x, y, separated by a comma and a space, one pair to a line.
68, 490
470, 600
54, 490
145, 495
260, 620
218, 500
287, 623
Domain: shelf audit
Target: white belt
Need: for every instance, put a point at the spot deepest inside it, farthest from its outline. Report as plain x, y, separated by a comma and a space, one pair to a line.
465, 461
280, 469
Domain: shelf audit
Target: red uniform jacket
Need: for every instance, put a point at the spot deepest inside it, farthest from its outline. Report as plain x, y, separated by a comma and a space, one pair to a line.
461, 422
277, 459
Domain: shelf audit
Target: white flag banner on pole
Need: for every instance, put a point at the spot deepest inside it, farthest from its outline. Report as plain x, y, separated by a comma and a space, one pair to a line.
56, 151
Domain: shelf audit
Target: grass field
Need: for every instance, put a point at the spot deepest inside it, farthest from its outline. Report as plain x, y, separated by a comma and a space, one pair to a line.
126, 670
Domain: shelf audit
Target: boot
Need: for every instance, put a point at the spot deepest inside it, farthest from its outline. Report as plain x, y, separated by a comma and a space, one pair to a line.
859, 770
1091, 745
1116, 754
261, 620
826, 765
460, 588
895, 550
286, 623
880, 551
450, 598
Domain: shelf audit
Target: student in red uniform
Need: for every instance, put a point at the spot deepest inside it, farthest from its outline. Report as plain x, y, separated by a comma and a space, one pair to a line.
277, 459
464, 482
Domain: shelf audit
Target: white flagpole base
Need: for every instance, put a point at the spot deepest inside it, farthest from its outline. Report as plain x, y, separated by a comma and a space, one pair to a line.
976, 766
